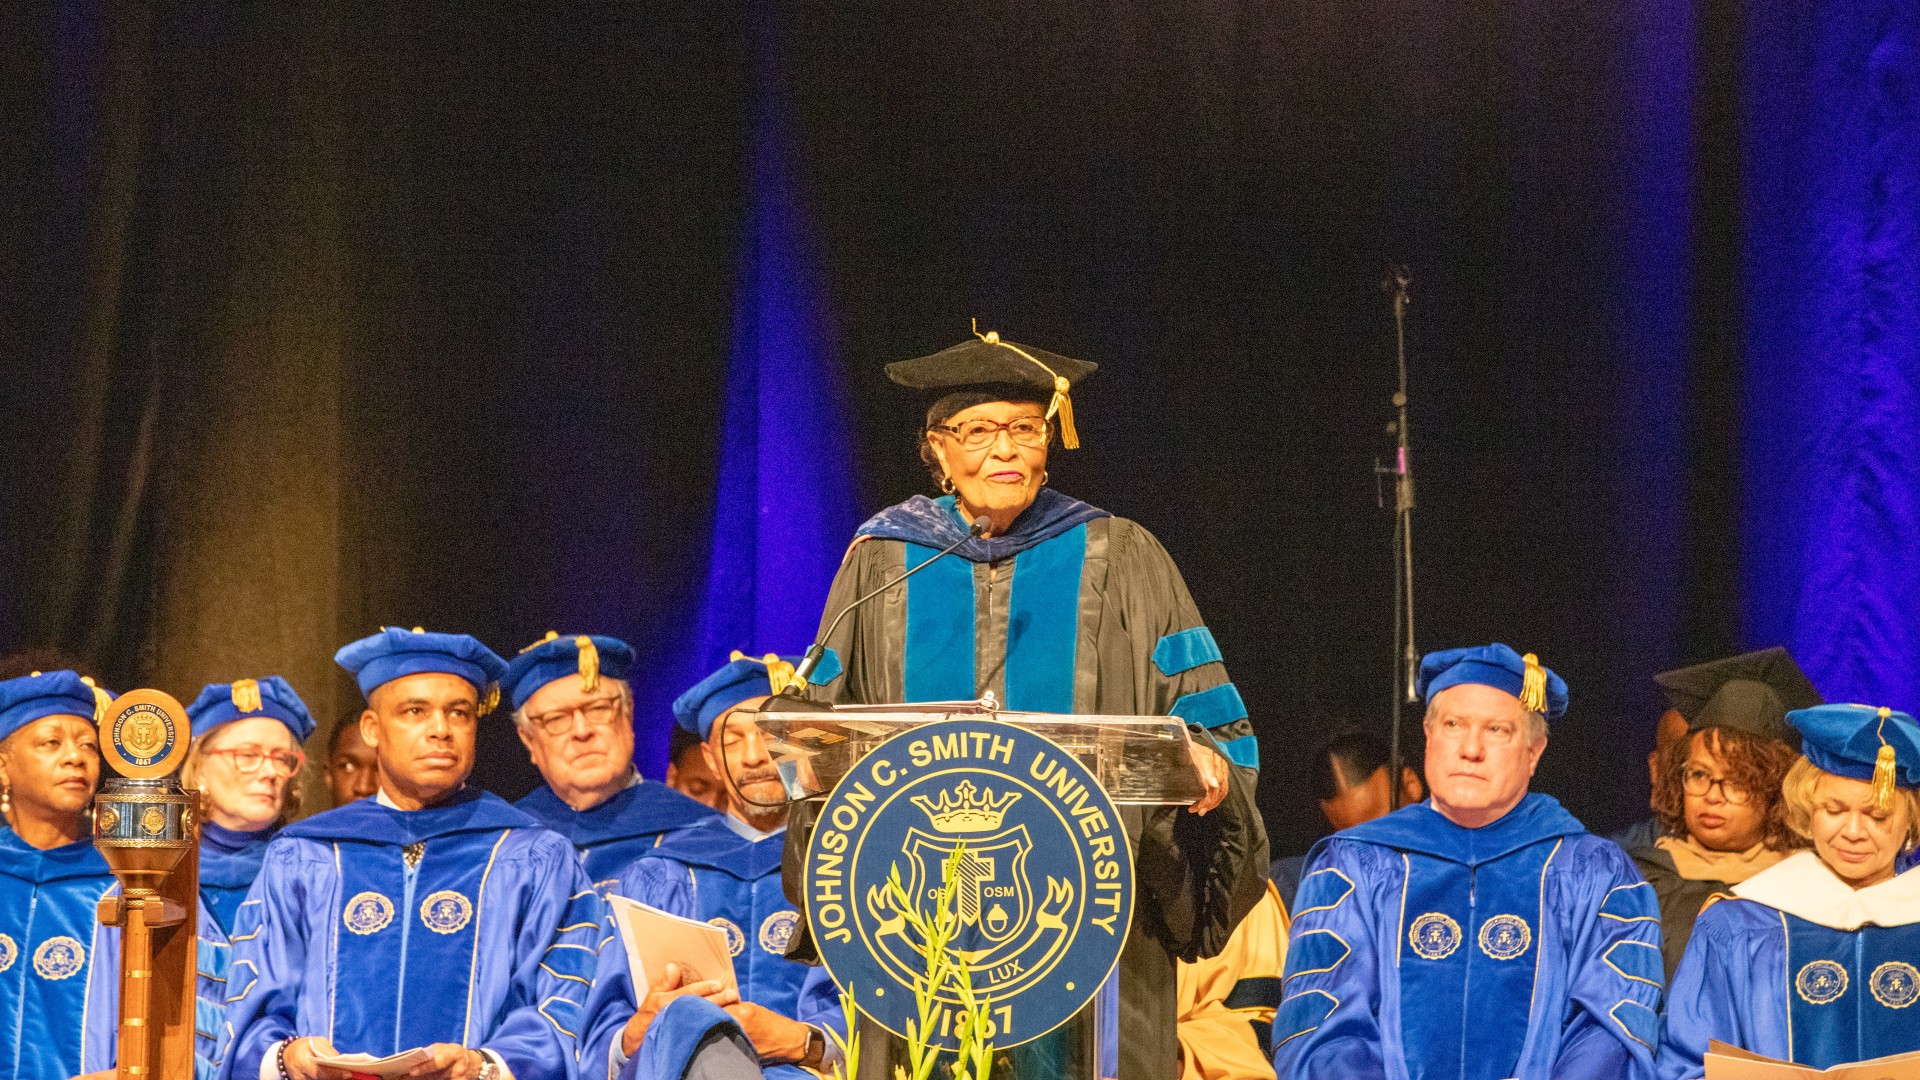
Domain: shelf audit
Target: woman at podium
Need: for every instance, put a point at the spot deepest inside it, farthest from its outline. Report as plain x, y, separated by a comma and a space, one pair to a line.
1817, 959
1053, 605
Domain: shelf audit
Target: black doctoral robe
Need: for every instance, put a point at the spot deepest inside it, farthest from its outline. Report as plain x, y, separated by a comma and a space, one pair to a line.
1072, 611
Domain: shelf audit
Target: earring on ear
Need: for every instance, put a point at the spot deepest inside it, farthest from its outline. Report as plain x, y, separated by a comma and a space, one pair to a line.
946, 484
6, 799
1043, 478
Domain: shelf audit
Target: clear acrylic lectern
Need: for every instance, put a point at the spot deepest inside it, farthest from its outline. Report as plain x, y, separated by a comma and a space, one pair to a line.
1140, 760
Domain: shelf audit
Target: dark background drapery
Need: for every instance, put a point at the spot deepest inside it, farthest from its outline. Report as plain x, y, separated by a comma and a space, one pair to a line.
496, 319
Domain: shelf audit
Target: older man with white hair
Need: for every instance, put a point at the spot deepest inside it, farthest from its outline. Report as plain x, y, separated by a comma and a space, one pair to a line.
573, 709
1481, 934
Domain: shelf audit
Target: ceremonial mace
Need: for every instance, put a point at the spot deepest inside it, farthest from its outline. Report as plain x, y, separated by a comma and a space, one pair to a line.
145, 826
1406, 661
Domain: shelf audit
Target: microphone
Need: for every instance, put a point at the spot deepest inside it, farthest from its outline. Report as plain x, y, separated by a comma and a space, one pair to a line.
980, 526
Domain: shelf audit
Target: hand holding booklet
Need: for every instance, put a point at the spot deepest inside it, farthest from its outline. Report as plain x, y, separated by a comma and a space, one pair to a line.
366, 1065
1727, 1062
655, 938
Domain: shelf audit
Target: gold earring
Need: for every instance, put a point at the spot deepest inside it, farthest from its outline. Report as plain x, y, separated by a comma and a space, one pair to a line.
6, 799
946, 484
1043, 478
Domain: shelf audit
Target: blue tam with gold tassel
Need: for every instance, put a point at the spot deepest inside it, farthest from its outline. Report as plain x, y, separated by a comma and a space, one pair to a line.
1862, 742
590, 656
393, 653
743, 677
270, 696
52, 693
1500, 667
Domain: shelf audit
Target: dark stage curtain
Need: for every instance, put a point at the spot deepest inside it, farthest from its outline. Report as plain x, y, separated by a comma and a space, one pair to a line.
430, 316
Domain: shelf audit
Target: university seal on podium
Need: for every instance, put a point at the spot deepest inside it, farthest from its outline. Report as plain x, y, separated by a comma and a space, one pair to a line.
1044, 877
144, 735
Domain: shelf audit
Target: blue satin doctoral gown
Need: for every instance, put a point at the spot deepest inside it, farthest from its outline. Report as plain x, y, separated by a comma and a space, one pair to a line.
1775, 983
53, 978
710, 872
620, 830
1527, 948
487, 938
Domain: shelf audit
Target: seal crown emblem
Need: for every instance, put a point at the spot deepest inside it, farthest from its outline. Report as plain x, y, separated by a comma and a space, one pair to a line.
59, 958
368, 913
1821, 982
1895, 984
736, 939
1434, 936
964, 812
446, 912
1505, 937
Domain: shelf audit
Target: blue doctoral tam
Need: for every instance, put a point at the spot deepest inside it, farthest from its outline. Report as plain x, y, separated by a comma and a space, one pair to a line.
271, 696
1497, 666
698, 708
394, 652
1845, 740
589, 656
53, 693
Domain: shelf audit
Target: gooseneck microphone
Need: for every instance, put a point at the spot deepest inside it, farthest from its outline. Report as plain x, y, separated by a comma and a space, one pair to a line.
802, 674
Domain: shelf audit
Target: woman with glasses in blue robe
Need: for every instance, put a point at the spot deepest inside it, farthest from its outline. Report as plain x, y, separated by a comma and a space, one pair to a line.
1055, 606
53, 973
1817, 959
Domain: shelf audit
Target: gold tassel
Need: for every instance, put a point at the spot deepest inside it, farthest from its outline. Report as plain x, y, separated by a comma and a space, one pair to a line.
780, 674
1884, 767
551, 635
589, 662
101, 701
490, 700
1533, 685
246, 696
1061, 405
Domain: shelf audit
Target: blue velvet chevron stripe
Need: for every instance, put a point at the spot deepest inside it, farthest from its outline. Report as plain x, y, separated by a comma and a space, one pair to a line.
1043, 623
1637, 961
1185, 650
1301, 1013
571, 959
1217, 707
939, 655
1631, 903
1322, 890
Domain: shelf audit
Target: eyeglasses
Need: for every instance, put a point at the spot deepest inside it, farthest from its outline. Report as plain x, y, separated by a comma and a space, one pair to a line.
247, 760
1027, 431
598, 713
1699, 782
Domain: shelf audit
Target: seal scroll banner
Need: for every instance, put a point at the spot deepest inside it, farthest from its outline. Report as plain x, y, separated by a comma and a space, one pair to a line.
1044, 890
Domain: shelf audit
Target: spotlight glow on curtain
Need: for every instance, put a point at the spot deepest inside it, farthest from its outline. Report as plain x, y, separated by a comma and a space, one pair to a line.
785, 506
1832, 341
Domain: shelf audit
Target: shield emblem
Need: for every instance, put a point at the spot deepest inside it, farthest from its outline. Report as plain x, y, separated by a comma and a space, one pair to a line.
994, 899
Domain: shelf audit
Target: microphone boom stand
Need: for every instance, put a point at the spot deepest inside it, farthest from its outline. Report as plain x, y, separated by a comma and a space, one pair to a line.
1406, 666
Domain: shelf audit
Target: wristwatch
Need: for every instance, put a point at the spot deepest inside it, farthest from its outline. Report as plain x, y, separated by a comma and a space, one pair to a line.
489, 1069
816, 1049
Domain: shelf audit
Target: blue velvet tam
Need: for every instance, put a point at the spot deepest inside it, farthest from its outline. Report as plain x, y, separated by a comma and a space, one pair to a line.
53, 693
270, 696
395, 652
1846, 740
1500, 667
589, 656
698, 708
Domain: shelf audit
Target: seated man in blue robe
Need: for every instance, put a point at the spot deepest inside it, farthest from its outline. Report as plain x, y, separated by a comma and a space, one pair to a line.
725, 871
433, 915
1481, 934
573, 709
